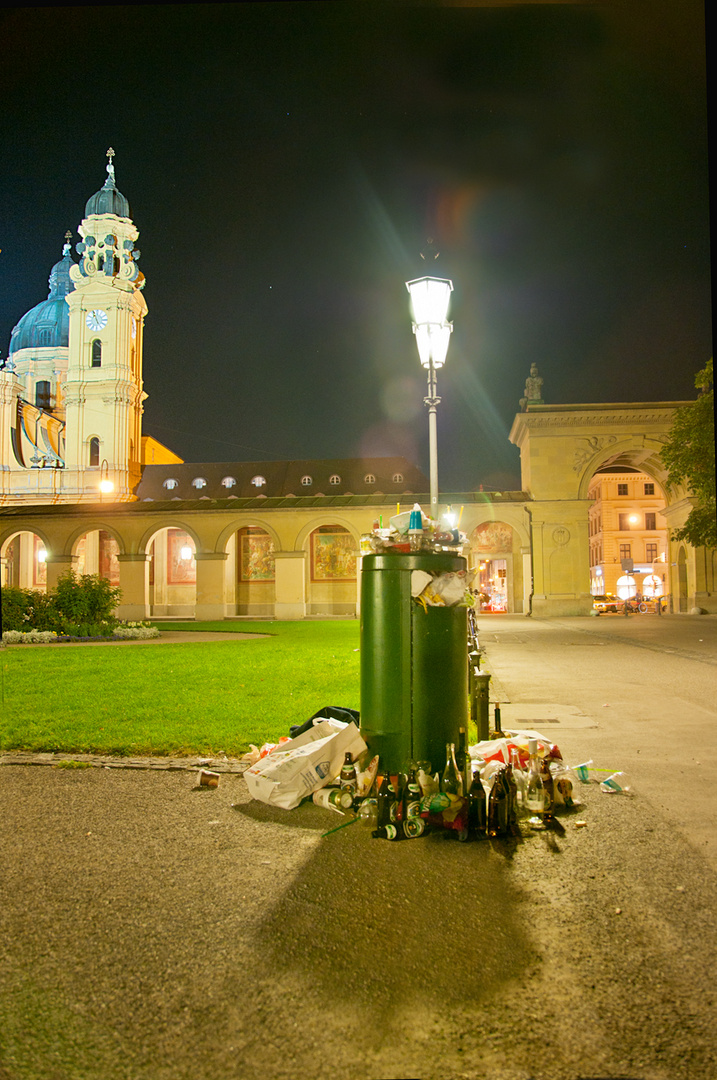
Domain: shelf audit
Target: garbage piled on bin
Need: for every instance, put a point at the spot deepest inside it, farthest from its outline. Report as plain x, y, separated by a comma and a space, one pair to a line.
483, 790
414, 531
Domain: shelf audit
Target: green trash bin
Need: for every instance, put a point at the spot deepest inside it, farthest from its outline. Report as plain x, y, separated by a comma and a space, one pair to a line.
414, 662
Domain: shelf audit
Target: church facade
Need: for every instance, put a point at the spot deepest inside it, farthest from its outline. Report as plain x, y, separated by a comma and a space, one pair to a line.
82, 488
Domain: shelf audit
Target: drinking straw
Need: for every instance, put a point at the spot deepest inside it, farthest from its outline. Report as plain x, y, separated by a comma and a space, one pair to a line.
342, 826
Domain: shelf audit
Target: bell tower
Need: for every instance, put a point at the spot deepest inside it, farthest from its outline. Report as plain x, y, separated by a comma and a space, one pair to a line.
103, 395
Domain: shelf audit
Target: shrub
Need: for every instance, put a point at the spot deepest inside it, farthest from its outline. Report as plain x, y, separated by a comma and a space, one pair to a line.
25, 609
81, 606
85, 602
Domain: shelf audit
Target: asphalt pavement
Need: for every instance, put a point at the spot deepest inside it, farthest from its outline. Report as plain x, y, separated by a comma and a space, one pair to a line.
152, 929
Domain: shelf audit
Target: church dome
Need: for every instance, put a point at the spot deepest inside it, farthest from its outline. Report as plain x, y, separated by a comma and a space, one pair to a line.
47, 325
108, 200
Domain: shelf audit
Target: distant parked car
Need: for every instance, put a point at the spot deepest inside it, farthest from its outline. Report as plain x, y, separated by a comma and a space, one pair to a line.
606, 602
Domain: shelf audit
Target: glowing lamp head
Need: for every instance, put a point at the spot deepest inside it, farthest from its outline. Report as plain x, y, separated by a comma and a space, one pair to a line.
106, 486
430, 298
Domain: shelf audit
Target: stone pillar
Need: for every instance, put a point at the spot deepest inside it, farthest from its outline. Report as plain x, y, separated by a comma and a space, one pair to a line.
134, 581
561, 562
210, 603
57, 565
290, 602
527, 579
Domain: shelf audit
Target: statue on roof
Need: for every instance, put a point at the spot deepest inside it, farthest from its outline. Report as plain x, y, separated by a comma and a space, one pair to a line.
533, 389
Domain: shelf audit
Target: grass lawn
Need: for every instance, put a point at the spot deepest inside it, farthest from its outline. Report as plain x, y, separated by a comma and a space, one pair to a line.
198, 697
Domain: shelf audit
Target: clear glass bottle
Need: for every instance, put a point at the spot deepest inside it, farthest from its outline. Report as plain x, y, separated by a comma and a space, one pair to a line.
534, 790
451, 781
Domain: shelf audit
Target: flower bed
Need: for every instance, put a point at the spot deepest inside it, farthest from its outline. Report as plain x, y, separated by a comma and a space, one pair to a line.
131, 631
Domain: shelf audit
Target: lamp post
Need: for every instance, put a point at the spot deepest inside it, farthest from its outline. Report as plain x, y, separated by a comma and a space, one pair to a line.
430, 298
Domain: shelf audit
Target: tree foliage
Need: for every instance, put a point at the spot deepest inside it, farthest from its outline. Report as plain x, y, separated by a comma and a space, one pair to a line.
689, 456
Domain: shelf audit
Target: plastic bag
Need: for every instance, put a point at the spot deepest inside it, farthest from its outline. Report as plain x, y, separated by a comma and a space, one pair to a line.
311, 761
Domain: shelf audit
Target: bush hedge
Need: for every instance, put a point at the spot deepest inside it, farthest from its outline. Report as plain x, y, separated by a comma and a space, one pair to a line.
80, 605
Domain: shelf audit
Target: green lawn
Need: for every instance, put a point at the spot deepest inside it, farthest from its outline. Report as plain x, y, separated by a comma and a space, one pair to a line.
198, 697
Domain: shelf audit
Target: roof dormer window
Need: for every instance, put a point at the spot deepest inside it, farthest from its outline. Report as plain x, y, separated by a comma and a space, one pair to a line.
398, 478
229, 482
335, 479
199, 482
258, 481
369, 478
306, 481
170, 484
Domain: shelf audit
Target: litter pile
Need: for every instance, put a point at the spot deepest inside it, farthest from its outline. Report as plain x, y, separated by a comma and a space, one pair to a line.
414, 531
484, 790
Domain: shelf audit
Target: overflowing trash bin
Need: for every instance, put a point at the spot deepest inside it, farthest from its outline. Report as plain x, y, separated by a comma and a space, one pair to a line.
414, 657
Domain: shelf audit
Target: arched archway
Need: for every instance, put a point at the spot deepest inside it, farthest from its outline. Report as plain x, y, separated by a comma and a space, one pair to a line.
495, 555
255, 571
23, 555
172, 572
333, 570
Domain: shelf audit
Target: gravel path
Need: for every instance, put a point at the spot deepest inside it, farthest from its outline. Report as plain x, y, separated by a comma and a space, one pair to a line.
154, 930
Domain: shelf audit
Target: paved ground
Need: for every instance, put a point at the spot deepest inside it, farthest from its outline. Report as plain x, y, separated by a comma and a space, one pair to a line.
153, 930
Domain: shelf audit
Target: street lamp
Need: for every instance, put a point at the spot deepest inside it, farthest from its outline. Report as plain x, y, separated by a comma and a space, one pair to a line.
106, 485
430, 298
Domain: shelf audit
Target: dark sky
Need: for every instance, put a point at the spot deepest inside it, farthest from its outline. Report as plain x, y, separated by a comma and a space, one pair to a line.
285, 163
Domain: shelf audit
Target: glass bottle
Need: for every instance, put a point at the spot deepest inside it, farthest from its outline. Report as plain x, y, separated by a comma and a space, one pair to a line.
463, 761
389, 832
412, 797
547, 777
451, 782
534, 790
386, 796
347, 776
476, 805
498, 804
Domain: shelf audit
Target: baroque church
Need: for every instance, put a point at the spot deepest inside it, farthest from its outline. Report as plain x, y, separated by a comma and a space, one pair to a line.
81, 487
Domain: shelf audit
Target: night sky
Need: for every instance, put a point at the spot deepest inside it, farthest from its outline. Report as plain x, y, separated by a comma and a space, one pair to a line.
285, 164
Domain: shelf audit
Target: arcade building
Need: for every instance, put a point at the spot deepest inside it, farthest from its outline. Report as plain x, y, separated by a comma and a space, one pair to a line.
82, 487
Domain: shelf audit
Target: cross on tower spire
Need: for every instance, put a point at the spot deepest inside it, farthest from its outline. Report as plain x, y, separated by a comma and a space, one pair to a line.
111, 166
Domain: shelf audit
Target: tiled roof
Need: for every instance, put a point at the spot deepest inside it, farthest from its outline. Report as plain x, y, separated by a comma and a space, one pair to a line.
192, 482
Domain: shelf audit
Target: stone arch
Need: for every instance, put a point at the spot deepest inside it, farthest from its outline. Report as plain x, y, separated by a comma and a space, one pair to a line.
171, 577
250, 572
633, 452
325, 518
252, 522
22, 564
496, 556
329, 590
92, 526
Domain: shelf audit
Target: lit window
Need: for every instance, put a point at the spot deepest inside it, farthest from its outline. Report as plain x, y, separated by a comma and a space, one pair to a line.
369, 478
306, 481
334, 479
258, 481
228, 482
199, 482
398, 478
170, 484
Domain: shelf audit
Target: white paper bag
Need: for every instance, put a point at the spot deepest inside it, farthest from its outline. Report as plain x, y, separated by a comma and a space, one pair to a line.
304, 764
